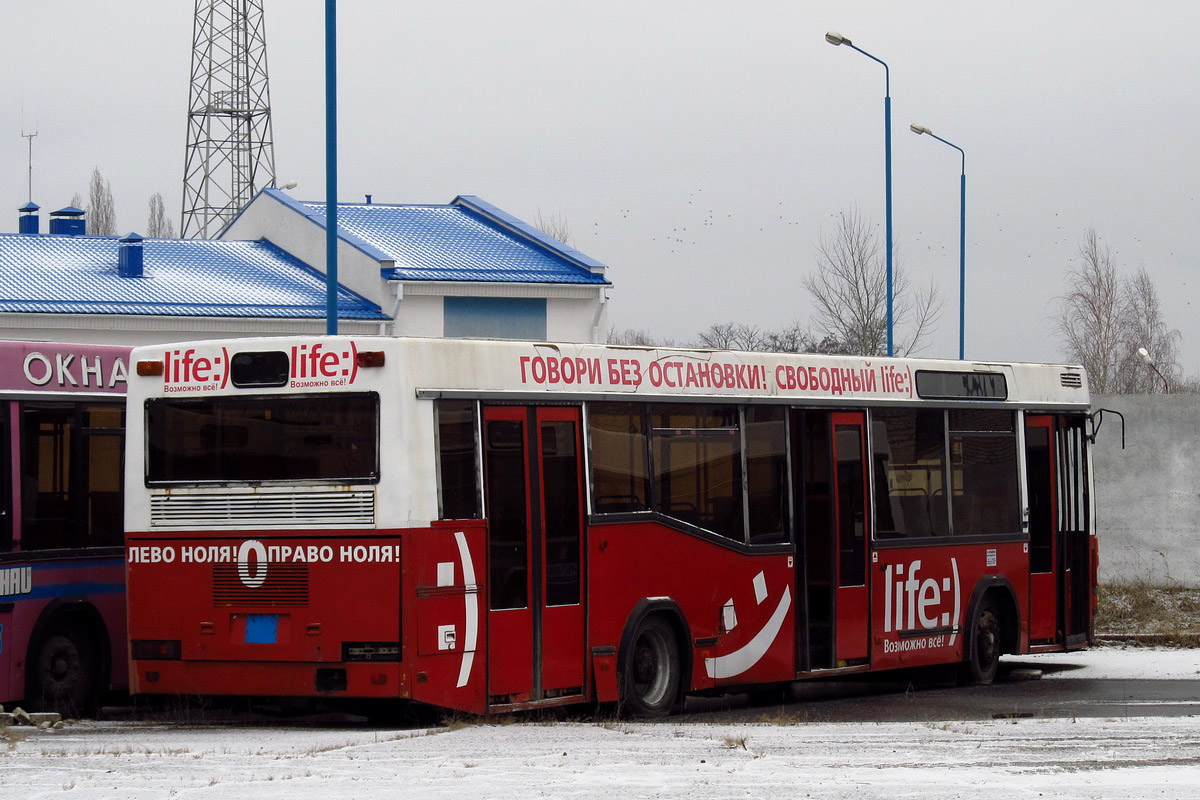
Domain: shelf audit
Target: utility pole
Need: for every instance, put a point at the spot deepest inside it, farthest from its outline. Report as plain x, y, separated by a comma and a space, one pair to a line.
30, 136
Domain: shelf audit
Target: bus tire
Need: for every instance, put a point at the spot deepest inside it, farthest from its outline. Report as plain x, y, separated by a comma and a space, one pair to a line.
62, 672
650, 669
985, 645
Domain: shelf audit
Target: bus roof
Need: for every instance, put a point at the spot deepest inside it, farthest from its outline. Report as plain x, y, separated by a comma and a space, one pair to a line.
574, 371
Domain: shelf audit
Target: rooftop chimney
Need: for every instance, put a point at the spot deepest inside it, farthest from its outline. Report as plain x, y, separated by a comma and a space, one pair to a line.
28, 221
129, 256
68, 221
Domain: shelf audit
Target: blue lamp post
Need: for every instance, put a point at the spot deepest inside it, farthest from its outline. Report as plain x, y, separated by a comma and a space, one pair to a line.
962, 236
331, 265
837, 39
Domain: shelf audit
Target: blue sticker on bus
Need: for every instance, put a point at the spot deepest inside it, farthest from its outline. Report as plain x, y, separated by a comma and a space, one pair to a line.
262, 628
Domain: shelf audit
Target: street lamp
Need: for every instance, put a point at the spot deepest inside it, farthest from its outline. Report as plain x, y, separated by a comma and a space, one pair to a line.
837, 39
962, 236
1144, 355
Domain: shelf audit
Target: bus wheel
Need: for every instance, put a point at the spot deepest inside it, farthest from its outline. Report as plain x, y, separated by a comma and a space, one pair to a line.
63, 672
650, 674
983, 659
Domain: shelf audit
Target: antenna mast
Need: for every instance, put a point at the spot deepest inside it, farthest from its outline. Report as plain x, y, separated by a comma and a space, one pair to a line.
30, 136
230, 154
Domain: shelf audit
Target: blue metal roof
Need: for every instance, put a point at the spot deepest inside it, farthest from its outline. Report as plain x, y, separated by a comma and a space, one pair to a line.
182, 277
467, 240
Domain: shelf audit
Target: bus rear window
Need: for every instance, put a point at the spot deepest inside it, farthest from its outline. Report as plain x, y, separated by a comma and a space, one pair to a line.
330, 437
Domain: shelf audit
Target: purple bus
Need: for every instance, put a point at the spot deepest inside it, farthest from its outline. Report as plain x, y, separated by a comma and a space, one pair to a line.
62, 567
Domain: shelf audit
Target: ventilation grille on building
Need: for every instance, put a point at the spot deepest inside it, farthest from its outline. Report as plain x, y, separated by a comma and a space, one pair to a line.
285, 585
262, 510
1072, 380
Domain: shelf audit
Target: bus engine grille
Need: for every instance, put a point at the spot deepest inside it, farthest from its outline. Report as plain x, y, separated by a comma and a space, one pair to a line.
209, 511
285, 585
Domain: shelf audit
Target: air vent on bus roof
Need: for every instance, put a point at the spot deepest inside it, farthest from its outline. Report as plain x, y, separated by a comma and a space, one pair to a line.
237, 510
1071, 380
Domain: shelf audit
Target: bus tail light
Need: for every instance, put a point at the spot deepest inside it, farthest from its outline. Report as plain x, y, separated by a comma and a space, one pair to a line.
157, 649
150, 368
370, 358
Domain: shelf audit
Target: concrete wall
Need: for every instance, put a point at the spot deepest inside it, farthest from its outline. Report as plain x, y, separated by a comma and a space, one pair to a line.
1148, 495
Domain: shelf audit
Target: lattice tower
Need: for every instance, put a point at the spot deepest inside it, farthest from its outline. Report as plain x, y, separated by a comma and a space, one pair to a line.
230, 153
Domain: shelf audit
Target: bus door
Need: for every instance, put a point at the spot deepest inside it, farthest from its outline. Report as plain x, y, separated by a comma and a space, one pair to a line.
1043, 529
1059, 512
1074, 523
833, 495
533, 475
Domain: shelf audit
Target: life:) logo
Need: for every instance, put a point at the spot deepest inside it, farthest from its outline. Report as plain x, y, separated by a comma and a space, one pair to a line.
315, 363
187, 367
911, 602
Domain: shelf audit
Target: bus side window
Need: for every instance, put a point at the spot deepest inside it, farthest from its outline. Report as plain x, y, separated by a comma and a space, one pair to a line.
910, 473
458, 473
619, 448
71, 466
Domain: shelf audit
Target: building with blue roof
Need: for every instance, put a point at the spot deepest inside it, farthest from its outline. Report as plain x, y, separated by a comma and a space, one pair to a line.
464, 269
131, 290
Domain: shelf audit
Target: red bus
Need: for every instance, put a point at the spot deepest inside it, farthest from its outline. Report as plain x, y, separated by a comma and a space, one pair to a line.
62, 581
486, 525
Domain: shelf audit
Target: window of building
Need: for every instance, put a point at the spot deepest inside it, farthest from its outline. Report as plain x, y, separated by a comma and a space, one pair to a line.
494, 318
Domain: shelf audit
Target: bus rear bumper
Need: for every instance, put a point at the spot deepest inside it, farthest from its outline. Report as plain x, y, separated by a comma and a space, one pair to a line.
269, 679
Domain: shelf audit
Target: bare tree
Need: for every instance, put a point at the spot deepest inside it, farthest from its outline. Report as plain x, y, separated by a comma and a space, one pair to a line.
638, 337
849, 288
555, 225
76, 200
1103, 321
159, 225
1142, 326
732, 336
102, 216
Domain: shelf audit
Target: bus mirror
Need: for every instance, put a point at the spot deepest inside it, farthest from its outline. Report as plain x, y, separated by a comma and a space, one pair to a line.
149, 368
370, 358
1098, 419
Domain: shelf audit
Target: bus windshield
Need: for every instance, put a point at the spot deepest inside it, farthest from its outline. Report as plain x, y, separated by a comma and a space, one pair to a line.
263, 438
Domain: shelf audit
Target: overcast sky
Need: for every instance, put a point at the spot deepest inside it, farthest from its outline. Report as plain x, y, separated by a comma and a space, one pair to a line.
698, 148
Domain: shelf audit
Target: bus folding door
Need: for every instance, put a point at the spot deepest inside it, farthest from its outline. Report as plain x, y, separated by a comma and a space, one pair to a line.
1043, 529
832, 490
533, 475
1059, 522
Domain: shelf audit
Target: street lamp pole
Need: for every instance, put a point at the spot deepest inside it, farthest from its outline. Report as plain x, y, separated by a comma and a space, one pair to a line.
1144, 355
962, 236
837, 39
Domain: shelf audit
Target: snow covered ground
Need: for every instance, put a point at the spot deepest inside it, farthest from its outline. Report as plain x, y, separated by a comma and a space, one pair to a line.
1129, 757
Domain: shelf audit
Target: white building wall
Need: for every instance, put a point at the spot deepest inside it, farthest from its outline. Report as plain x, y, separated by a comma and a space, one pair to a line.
267, 218
571, 320
419, 316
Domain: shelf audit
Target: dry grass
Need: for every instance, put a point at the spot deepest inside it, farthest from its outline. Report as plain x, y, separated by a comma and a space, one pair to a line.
1139, 607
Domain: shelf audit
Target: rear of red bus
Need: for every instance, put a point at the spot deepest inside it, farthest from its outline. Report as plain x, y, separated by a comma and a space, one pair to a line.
264, 558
